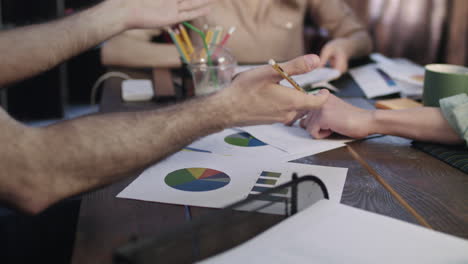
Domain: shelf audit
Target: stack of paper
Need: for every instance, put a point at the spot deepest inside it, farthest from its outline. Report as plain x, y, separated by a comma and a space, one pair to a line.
328, 232
389, 76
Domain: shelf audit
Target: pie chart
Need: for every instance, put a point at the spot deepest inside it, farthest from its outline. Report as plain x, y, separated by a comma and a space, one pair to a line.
243, 139
197, 179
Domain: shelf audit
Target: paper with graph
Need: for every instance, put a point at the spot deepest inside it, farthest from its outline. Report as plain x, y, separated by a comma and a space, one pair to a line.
209, 180
198, 179
234, 142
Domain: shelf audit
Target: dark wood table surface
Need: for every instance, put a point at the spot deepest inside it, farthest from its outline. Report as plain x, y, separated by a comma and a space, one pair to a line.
437, 191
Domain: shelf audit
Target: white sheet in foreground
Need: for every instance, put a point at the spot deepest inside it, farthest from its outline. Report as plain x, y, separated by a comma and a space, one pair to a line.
295, 140
328, 232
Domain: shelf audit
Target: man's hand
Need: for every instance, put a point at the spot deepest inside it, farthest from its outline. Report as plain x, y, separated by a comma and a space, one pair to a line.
336, 53
340, 117
255, 97
159, 13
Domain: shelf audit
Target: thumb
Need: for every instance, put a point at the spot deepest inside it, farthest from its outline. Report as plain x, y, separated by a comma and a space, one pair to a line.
300, 65
317, 100
325, 55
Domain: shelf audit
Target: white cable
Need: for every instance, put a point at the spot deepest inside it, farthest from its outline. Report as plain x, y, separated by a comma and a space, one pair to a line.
102, 79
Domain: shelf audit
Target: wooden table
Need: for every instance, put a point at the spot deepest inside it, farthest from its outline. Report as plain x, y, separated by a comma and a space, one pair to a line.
437, 191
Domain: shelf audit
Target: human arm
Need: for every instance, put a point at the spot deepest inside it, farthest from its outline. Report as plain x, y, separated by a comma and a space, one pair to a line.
422, 123
350, 38
43, 165
134, 48
29, 50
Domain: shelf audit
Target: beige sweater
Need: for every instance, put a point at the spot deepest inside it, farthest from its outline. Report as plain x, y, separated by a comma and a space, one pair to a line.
274, 28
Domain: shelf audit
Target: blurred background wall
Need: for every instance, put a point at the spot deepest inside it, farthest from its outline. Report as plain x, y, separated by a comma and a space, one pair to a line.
424, 31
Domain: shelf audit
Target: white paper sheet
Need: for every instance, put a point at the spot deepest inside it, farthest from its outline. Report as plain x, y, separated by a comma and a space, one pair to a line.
246, 176
334, 179
239, 174
219, 143
295, 140
401, 69
373, 81
319, 75
328, 232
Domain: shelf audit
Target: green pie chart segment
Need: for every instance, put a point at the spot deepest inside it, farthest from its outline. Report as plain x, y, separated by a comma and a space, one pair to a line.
197, 179
243, 139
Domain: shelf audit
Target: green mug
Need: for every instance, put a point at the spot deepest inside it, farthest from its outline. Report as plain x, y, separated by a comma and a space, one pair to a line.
443, 80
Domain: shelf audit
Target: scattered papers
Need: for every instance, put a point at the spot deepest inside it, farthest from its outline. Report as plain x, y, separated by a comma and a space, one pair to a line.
328, 232
401, 69
408, 76
207, 180
389, 76
292, 139
373, 81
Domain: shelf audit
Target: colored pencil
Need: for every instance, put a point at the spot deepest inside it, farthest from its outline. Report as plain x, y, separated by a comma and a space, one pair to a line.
224, 41
209, 36
216, 33
227, 36
174, 39
220, 35
186, 38
181, 44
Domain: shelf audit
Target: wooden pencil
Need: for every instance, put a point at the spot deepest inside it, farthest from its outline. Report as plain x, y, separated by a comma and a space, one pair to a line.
285, 75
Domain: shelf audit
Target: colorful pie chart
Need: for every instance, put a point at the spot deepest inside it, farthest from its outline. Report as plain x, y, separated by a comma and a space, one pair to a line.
243, 139
197, 179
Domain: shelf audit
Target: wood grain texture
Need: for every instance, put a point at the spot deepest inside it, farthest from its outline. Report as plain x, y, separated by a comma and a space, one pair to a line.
107, 222
389, 188
361, 190
434, 189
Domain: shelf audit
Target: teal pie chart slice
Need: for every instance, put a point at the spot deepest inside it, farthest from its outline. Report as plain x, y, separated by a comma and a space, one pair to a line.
243, 139
197, 179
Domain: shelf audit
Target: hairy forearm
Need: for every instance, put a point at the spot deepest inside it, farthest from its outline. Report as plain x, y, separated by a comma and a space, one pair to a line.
129, 52
45, 165
425, 123
33, 49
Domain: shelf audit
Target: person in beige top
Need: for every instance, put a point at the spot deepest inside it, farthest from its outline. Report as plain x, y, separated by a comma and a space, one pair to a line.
265, 29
